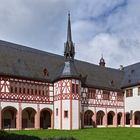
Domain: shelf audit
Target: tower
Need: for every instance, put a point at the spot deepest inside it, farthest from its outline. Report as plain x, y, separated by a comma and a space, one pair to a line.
67, 89
102, 62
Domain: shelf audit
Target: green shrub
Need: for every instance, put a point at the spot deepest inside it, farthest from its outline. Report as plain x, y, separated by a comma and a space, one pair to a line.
7, 136
61, 138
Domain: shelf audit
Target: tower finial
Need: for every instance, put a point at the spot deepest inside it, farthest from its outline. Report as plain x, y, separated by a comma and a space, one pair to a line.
69, 37
69, 51
68, 13
102, 55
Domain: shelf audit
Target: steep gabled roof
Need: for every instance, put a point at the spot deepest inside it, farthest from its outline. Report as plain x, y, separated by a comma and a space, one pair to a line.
20, 61
101, 77
132, 75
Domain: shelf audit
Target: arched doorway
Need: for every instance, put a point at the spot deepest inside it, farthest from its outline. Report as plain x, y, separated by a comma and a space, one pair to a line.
28, 118
110, 117
119, 118
127, 118
88, 118
9, 117
45, 118
137, 118
99, 117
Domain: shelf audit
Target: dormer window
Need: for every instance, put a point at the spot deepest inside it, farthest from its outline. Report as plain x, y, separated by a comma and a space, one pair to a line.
112, 82
129, 81
45, 71
132, 71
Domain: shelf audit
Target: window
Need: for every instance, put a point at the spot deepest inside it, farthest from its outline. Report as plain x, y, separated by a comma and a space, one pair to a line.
28, 91
91, 94
15, 89
138, 91
129, 92
47, 91
35, 91
73, 88
77, 89
32, 91
39, 92
65, 114
11, 89
20, 90
56, 111
106, 95
120, 96
42, 92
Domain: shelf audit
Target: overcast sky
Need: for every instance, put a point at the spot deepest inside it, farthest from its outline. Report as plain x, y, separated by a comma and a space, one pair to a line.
108, 27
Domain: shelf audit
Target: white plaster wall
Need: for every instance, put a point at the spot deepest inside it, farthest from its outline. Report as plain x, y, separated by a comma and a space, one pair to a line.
132, 103
25, 105
103, 109
75, 114
57, 118
100, 108
12, 104
88, 108
66, 121
47, 106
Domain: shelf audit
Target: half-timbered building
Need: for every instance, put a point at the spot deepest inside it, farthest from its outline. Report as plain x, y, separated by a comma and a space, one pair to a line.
44, 90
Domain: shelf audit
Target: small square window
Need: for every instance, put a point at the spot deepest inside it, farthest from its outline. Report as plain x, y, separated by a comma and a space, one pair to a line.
56, 111
129, 92
138, 91
65, 114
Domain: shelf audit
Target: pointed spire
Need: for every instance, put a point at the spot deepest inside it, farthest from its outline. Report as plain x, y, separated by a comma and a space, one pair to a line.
69, 50
69, 37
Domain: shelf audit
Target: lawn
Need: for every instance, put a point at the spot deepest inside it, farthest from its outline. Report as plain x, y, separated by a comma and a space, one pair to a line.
88, 134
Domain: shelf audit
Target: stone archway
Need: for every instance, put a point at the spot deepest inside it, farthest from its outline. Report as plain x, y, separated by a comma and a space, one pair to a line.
100, 117
110, 117
119, 118
28, 118
45, 118
88, 118
137, 118
9, 117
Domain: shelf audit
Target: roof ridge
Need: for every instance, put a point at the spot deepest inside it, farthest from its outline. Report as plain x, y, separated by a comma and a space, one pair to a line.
131, 65
25, 48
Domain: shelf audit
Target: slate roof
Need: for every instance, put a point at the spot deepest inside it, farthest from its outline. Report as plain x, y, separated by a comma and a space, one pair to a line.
20, 61
67, 70
132, 75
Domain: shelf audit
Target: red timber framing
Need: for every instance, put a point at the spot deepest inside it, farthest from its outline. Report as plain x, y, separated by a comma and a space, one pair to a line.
14, 90
102, 98
71, 92
67, 90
